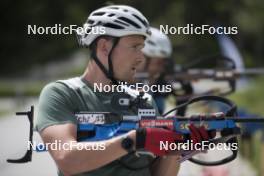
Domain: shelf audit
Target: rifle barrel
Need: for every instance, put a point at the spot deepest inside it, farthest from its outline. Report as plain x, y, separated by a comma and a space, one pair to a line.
235, 119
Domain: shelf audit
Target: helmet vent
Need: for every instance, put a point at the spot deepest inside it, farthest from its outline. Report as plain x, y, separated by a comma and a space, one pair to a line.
114, 8
98, 14
90, 21
110, 15
114, 26
120, 22
129, 22
141, 20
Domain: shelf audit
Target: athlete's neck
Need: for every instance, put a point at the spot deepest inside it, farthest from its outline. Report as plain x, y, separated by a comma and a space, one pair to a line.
93, 74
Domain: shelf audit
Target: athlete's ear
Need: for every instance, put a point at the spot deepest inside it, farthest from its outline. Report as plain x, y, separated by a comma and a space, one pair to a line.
104, 46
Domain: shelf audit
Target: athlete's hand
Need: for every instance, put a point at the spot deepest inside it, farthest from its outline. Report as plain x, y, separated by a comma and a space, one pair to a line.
199, 134
150, 139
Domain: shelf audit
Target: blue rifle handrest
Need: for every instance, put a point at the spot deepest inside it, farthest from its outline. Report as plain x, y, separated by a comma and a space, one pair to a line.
127, 126
86, 127
102, 132
107, 131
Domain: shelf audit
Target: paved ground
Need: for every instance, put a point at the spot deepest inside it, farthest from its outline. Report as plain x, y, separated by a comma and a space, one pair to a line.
14, 136
238, 167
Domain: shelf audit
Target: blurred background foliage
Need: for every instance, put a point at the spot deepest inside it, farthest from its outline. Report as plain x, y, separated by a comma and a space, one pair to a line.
28, 62
47, 57
251, 98
21, 51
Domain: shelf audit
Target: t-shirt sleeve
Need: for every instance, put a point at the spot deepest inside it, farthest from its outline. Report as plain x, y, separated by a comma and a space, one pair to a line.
55, 106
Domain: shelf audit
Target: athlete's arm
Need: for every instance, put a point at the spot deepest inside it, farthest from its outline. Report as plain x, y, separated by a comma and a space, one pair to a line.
167, 166
77, 161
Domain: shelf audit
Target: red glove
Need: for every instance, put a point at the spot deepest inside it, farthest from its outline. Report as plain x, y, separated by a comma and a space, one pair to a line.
200, 134
150, 138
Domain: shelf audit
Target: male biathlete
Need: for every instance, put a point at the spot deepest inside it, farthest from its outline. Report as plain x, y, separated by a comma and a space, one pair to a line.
157, 51
115, 55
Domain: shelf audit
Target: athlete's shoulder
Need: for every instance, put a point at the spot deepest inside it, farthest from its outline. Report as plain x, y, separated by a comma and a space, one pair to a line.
73, 83
61, 86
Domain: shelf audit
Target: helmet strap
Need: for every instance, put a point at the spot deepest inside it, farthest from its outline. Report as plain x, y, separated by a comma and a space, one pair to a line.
109, 74
110, 63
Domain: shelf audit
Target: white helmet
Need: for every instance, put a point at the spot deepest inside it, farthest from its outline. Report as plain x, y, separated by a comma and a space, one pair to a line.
157, 45
114, 20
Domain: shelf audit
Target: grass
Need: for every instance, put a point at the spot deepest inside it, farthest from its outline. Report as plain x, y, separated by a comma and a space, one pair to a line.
252, 98
8, 89
3, 112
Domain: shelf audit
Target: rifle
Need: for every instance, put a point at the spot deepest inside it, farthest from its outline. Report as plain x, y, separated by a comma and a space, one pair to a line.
225, 71
183, 78
104, 127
